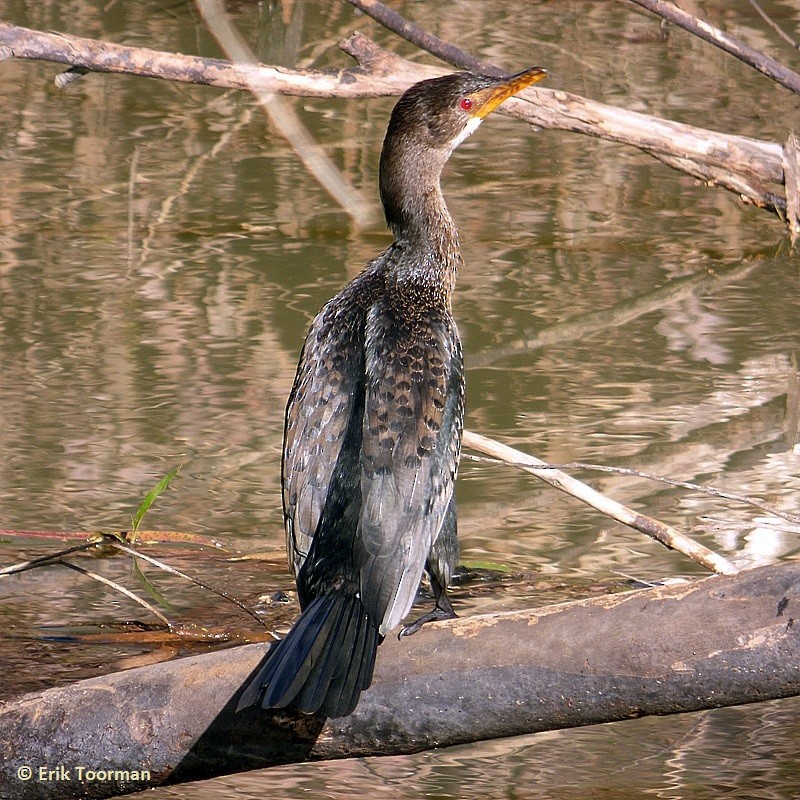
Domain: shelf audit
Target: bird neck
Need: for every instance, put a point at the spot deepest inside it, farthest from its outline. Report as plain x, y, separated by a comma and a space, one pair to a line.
417, 214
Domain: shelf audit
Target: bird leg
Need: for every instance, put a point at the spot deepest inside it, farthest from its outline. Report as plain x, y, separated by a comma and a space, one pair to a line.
442, 610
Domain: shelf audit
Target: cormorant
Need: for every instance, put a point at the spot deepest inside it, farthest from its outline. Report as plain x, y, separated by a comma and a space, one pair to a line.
373, 423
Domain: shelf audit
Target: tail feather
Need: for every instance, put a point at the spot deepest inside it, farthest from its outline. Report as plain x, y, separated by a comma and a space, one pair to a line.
323, 663
352, 682
328, 668
346, 687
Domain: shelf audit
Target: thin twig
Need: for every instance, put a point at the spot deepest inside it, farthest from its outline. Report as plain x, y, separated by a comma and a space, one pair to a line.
114, 542
711, 491
111, 540
667, 535
774, 25
119, 588
730, 44
23, 566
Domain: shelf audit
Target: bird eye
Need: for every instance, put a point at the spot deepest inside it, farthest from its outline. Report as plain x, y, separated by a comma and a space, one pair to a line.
465, 104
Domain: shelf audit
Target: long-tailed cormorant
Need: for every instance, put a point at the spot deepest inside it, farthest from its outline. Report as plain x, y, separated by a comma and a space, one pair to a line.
373, 424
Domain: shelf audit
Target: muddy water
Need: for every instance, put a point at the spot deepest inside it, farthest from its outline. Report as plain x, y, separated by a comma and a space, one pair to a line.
162, 252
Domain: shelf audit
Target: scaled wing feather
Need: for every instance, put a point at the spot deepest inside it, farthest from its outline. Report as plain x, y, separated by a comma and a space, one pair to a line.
317, 419
411, 441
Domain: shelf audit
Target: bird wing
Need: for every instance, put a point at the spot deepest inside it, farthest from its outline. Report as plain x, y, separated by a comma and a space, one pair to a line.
319, 415
411, 442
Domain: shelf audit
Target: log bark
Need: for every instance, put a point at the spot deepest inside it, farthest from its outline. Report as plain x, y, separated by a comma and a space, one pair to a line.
716, 642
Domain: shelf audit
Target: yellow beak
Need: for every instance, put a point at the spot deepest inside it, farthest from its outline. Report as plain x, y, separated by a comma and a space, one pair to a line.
487, 100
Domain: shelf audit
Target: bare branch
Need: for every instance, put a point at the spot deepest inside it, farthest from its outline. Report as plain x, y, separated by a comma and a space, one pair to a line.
746, 166
730, 44
665, 534
711, 491
669, 11
97, 56
418, 36
774, 25
709, 172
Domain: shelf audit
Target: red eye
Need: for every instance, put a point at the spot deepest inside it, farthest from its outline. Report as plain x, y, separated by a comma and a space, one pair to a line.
465, 104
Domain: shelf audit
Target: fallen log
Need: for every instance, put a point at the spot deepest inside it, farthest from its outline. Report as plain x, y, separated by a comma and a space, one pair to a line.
715, 642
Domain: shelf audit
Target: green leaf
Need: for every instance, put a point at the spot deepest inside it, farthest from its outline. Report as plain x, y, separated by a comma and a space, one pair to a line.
149, 500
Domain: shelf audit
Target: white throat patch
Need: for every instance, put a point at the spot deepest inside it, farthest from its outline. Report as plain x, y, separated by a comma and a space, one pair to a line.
469, 128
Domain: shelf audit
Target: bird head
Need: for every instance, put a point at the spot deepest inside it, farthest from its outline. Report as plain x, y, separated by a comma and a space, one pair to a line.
428, 122
441, 112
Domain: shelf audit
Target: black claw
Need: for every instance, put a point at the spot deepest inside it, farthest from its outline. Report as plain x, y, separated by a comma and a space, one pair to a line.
437, 614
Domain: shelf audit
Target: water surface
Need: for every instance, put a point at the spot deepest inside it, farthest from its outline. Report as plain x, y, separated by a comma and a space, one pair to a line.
162, 252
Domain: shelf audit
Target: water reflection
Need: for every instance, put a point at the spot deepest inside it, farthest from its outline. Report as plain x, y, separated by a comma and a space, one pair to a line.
738, 753
162, 252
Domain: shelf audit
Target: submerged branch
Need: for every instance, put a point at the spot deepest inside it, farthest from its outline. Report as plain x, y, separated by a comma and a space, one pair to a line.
43, 561
118, 588
114, 542
580, 326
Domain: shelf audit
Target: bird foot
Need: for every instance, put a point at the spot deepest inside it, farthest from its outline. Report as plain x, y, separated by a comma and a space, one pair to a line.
432, 616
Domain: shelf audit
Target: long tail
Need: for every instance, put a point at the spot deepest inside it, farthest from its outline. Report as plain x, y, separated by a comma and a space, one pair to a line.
323, 663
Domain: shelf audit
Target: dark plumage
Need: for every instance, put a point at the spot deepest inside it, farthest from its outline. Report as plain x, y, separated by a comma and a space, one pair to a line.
373, 424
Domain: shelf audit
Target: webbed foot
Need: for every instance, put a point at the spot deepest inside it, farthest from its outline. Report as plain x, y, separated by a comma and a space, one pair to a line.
442, 610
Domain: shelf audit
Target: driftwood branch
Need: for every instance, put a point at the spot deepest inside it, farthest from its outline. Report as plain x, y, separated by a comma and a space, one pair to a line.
665, 534
716, 642
106, 57
685, 156
748, 167
751, 168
